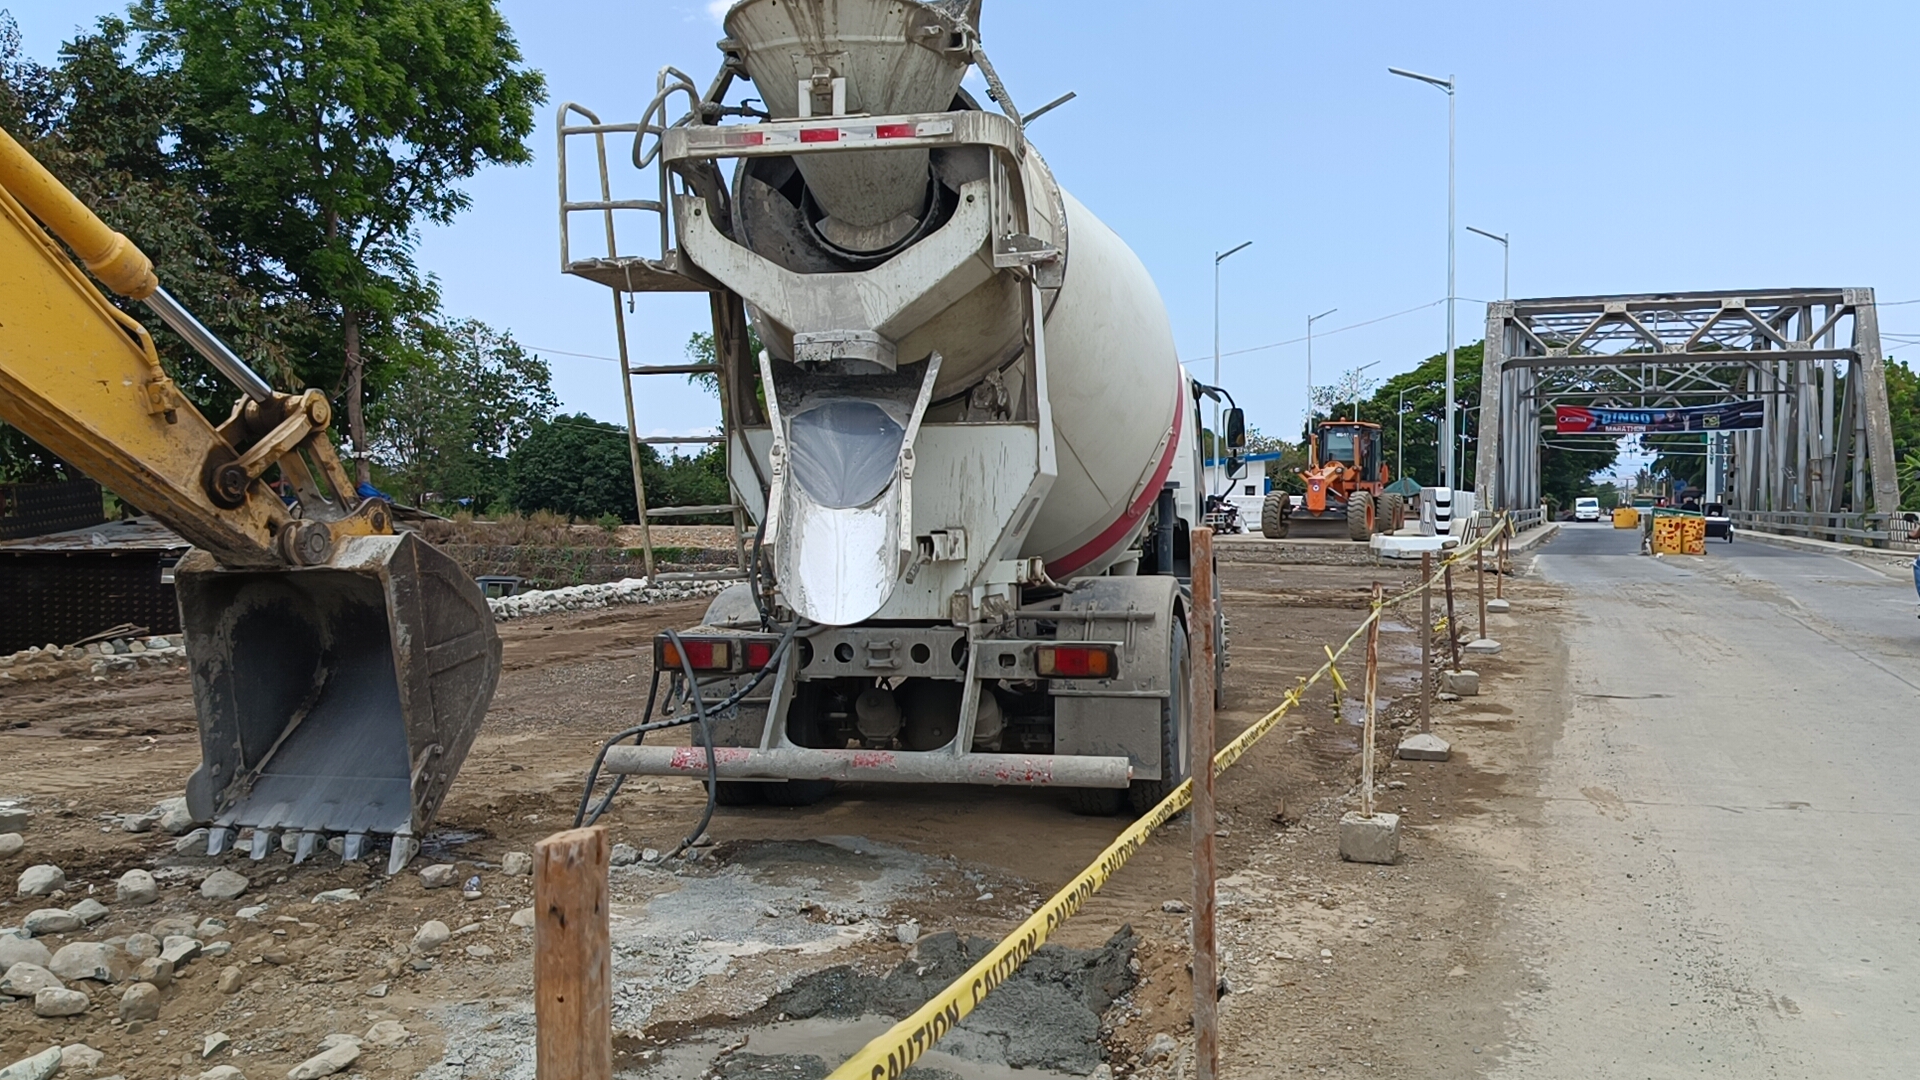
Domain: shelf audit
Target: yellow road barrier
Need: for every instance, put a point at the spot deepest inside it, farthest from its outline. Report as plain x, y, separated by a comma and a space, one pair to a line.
889, 1056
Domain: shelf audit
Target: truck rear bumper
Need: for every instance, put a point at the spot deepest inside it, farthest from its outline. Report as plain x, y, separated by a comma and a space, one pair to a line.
874, 766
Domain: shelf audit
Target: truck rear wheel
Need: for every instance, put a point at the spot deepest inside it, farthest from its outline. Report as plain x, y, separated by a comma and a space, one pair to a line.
806, 726
1393, 512
1273, 516
1360, 515
1176, 721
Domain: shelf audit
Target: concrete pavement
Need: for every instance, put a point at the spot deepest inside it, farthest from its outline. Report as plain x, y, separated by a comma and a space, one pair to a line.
1727, 849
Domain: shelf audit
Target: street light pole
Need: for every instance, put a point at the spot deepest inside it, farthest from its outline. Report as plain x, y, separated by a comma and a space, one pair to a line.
1400, 436
1446, 84
1356, 387
1218, 258
1505, 256
1311, 319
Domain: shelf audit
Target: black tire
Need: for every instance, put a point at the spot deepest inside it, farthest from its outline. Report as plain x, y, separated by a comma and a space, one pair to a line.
1393, 512
1096, 802
1360, 515
1273, 516
1175, 724
737, 793
804, 727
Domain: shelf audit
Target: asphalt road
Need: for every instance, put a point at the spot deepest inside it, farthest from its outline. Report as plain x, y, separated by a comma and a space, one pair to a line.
1727, 851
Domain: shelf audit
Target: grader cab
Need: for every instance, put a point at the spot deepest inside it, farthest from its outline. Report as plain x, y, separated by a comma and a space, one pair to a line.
1346, 482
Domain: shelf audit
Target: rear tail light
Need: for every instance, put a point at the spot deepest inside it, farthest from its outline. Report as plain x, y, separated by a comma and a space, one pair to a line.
714, 655
1076, 661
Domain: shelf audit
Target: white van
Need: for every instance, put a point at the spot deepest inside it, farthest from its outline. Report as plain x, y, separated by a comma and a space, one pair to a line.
1586, 509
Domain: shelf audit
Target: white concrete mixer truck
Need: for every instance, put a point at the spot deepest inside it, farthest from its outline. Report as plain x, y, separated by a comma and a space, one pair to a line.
967, 446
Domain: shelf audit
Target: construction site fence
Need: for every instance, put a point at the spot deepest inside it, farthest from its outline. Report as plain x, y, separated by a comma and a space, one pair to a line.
1895, 532
889, 1056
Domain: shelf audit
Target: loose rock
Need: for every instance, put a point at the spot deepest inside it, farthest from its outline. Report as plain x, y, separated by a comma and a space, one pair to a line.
224, 885
174, 816
53, 1003
11, 844
516, 864
439, 875
89, 960
479, 952
137, 888
139, 823
154, 970
22, 950
222, 1072
15, 819
173, 926
26, 980
523, 918
231, 979
40, 1066
89, 911
41, 880
337, 896
215, 1043
179, 949
1174, 907
251, 913
471, 890
1159, 1048
431, 937
143, 946
45, 921
80, 1057
140, 1002
907, 933
387, 1033
194, 842
327, 1062
624, 855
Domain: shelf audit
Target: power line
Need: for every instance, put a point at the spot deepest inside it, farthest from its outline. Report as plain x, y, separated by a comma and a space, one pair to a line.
1327, 333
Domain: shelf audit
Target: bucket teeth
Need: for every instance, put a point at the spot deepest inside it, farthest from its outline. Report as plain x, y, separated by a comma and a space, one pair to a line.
354, 848
405, 847
216, 840
303, 848
262, 843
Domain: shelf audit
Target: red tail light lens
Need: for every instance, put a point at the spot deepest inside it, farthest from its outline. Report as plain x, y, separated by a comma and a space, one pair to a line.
1076, 661
759, 654
714, 655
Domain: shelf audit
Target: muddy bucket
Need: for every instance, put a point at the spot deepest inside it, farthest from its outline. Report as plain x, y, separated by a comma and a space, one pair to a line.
334, 700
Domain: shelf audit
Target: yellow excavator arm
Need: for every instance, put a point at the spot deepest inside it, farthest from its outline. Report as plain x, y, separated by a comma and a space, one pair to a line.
340, 671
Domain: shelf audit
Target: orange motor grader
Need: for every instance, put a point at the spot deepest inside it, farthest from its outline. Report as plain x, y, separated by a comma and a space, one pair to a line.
1346, 485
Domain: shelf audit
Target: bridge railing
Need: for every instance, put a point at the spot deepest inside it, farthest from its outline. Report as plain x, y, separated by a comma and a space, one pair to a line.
1898, 532
1527, 519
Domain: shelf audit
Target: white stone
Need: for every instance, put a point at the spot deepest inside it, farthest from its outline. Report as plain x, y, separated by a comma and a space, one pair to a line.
41, 880
1428, 747
89, 911
907, 933
624, 855
179, 949
523, 918
191, 843
154, 970
1366, 839
94, 960
139, 823
26, 980
52, 1003
140, 1002
222, 1072
1159, 1048
40, 1066
23, 950
1482, 646
209, 928
15, 819
224, 885
11, 844
431, 937
439, 875
142, 946
251, 913
174, 816
213, 1044
337, 896
387, 1033
42, 921
137, 888
81, 1057
516, 864
480, 952
1498, 605
1464, 683
327, 1062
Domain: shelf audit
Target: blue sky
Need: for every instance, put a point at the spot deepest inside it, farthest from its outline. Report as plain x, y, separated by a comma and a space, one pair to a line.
1626, 147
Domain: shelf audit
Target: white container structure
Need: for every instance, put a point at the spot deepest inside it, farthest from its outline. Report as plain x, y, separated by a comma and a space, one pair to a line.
968, 442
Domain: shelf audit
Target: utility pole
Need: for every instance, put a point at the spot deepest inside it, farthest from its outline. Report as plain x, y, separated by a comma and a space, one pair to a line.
1446, 84
1311, 319
1218, 258
1506, 251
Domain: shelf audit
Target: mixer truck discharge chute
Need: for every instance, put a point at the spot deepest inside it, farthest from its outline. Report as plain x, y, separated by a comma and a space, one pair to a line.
968, 444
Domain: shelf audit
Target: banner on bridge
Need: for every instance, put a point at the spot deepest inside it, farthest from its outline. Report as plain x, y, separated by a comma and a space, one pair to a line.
1727, 416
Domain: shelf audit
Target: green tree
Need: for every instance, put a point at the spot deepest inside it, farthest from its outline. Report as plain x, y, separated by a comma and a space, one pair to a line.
1903, 401
453, 408
328, 131
573, 465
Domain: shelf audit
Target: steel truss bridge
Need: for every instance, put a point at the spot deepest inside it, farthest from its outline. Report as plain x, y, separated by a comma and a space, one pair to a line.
1811, 355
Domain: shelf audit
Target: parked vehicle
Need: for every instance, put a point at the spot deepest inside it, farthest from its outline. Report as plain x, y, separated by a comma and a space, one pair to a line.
1586, 509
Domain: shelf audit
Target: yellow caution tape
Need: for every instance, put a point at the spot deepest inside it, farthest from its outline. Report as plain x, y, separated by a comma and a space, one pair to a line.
889, 1056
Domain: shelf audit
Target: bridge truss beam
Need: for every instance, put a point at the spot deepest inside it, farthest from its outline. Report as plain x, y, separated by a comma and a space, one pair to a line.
1811, 355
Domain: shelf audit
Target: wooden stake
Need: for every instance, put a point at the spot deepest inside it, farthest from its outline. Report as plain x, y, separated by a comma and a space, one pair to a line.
572, 957
1373, 679
1206, 976
1453, 628
1426, 642
1506, 560
1480, 578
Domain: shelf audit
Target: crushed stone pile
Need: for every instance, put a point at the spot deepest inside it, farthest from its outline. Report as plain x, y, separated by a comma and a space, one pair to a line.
583, 597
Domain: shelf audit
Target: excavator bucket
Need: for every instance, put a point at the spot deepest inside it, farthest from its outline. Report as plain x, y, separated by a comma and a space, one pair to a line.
337, 699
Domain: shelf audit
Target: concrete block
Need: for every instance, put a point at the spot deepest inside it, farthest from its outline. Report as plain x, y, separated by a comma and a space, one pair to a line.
1424, 748
1462, 683
1366, 839
1497, 605
1485, 646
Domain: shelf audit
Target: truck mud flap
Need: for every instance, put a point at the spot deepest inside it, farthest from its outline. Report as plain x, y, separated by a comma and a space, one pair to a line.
334, 700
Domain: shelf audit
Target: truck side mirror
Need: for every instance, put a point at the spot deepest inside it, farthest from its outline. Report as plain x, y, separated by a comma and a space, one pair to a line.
1236, 424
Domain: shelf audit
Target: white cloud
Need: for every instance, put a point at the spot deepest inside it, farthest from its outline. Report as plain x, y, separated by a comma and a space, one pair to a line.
717, 9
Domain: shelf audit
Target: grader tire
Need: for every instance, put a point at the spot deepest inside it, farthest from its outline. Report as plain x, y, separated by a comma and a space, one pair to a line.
1360, 515
1393, 512
1273, 516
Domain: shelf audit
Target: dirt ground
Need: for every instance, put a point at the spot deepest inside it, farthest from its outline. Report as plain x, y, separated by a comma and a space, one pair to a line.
1333, 968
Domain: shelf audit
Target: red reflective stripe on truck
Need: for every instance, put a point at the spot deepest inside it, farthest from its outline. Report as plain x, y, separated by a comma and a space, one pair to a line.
808, 135
1114, 533
894, 131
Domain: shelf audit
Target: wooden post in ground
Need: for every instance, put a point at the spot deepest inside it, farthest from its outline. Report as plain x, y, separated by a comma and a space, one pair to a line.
572, 957
1426, 642
1453, 628
1506, 560
1206, 976
1480, 579
1373, 679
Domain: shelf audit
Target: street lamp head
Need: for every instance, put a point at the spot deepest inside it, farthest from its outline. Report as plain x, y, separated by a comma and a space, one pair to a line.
1444, 84
1222, 256
1311, 319
1497, 237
